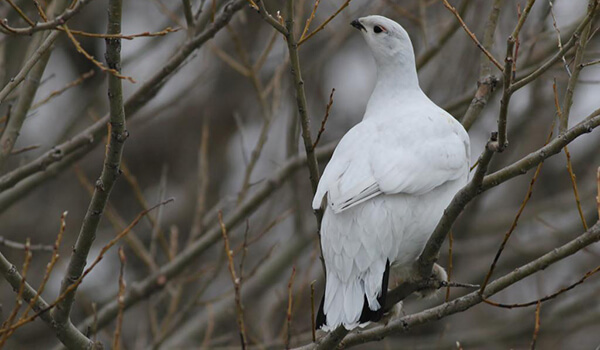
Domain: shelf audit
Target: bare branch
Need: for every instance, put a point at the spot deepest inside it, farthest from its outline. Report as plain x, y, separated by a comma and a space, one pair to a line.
82, 142
536, 328
289, 309
322, 129
236, 284
33, 70
67, 334
110, 171
59, 20
472, 36
513, 226
39, 54
155, 282
405, 323
322, 26
578, 60
262, 11
550, 62
117, 335
546, 298
58, 92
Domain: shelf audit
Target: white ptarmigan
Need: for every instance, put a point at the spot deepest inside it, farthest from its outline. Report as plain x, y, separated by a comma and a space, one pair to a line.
387, 183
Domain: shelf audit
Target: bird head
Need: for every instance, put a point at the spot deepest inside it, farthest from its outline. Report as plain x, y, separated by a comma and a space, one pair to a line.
388, 41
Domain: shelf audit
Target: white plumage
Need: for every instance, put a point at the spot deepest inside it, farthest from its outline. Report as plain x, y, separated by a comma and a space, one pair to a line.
388, 181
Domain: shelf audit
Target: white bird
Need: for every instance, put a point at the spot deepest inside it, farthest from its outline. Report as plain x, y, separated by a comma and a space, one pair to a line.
387, 183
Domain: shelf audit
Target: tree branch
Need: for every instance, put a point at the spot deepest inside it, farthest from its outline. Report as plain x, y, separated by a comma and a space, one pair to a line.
94, 133
573, 79
67, 333
59, 20
38, 55
110, 171
155, 282
405, 323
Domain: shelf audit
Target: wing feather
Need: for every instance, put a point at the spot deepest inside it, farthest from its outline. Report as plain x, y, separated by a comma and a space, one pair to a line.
376, 158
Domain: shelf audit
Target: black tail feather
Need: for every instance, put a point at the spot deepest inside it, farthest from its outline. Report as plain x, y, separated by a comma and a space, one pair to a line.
320, 322
374, 316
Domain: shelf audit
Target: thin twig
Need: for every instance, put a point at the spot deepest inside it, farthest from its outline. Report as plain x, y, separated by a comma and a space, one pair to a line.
322, 129
569, 164
575, 190
19, 298
522, 18
310, 19
189, 16
38, 54
506, 95
244, 249
76, 147
322, 26
547, 297
312, 311
21, 13
450, 243
302, 105
202, 183
77, 282
557, 56
591, 63
110, 171
517, 44
94, 328
406, 323
598, 196
118, 223
91, 58
472, 36
263, 56
50, 266
122, 36
40, 11
230, 61
236, 285
137, 191
536, 328
458, 203
574, 77
116, 345
59, 20
21, 246
560, 47
448, 32
262, 10
58, 92
513, 225
24, 149
289, 309
162, 190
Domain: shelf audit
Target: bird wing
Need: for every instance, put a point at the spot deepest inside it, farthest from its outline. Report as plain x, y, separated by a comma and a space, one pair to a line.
376, 158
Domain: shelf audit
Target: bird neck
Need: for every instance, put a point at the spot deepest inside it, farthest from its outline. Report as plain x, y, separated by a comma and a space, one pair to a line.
397, 83
398, 72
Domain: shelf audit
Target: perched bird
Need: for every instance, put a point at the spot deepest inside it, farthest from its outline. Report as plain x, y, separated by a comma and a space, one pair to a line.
387, 183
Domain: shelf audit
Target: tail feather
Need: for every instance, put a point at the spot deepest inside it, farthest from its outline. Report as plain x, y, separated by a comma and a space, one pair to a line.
366, 314
375, 315
320, 322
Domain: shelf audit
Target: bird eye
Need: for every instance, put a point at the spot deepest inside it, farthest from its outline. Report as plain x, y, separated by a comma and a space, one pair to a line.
377, 29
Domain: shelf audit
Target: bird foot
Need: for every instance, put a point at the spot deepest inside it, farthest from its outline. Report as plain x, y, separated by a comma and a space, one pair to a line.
395, 312
438, 274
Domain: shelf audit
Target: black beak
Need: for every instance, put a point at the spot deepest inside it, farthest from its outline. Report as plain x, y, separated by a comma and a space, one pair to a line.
356, 24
